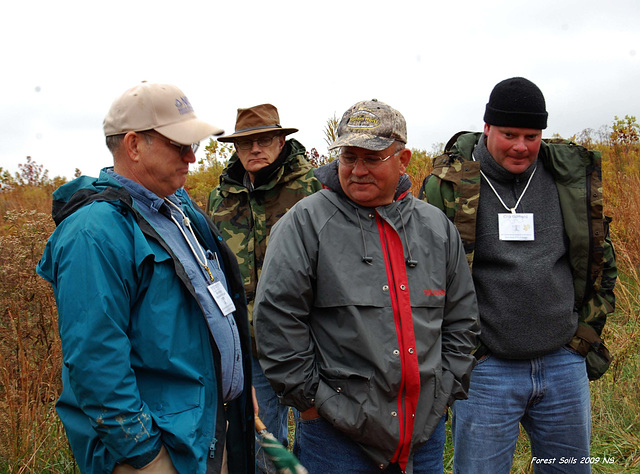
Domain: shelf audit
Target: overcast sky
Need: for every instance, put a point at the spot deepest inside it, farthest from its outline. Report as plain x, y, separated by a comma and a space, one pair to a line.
65, 62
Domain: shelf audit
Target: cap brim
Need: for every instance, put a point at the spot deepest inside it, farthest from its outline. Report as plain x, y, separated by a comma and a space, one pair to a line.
189, 131
256, 131
363, 140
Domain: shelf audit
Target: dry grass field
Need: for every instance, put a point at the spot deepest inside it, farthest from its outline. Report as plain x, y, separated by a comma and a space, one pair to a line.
32, 439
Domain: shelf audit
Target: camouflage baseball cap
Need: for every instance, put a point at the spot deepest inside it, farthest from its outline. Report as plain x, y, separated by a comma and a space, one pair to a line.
372, 125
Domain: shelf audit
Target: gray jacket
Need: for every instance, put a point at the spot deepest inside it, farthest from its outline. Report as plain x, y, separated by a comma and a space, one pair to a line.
345, 324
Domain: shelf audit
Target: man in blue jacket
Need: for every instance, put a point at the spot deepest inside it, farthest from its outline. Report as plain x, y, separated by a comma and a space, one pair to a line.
152, 313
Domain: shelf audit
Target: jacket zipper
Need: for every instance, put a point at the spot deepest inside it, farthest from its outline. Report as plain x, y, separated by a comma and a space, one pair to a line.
390, 248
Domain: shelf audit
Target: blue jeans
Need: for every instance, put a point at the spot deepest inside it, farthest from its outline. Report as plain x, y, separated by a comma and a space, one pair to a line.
323, 450
548, 395
274, 415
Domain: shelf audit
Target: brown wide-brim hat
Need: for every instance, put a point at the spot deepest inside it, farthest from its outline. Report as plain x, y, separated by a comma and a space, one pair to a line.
258, 119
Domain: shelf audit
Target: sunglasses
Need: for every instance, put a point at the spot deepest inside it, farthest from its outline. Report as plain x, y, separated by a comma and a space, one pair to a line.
182, 149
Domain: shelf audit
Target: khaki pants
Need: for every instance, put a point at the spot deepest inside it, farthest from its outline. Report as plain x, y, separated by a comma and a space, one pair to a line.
161, 464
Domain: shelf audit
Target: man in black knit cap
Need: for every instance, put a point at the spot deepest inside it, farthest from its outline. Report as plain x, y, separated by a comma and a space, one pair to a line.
529, 212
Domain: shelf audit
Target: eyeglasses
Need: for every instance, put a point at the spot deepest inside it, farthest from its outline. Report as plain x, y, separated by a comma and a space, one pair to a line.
349, 161
247, 143
182, 149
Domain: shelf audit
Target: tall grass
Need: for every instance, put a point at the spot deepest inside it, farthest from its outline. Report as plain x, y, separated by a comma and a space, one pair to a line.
616, 397
31, 436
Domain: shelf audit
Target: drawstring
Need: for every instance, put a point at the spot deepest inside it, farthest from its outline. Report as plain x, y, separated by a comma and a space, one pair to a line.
365, 258
410, 261
369, 260
187, 223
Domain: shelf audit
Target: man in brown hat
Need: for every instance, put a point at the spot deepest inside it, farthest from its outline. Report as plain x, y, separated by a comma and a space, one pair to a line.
153, 322
265, 177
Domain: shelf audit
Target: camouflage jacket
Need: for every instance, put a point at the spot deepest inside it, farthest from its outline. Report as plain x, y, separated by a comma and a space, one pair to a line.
245, 218
454, 187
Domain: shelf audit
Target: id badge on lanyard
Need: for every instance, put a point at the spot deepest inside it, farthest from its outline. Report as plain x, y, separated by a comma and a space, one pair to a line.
516, 227
216, 288
221, 297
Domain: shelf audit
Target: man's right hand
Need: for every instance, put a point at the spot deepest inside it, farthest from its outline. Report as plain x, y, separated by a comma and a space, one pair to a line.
309, 414
161, 464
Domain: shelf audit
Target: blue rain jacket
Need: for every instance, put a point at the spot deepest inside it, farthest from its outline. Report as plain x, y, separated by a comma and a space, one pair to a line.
139, 361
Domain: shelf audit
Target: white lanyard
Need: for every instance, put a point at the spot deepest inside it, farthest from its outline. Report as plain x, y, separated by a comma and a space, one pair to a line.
187, 223
512, 210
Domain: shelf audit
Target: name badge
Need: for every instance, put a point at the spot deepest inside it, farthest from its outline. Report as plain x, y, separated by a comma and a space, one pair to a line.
222, 298
515, 226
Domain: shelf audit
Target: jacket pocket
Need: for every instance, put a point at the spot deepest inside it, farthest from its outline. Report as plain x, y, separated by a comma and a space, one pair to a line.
442, 392
437, 378
343, 400
167, 398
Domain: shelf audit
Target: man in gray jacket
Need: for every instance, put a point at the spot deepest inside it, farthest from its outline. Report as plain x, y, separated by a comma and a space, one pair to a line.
365, 313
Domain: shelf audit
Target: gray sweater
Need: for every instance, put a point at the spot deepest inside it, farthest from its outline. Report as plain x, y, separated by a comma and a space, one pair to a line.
524, 288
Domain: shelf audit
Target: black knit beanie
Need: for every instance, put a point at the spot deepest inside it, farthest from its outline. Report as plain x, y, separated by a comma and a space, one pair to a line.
516, 102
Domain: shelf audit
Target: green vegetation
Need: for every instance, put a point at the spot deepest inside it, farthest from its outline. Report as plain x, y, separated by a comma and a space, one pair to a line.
32, 438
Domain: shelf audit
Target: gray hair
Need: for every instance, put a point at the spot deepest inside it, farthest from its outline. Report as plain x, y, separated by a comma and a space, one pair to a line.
114, 141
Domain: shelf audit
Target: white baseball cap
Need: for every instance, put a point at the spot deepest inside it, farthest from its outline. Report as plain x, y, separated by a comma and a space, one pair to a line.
160, 107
